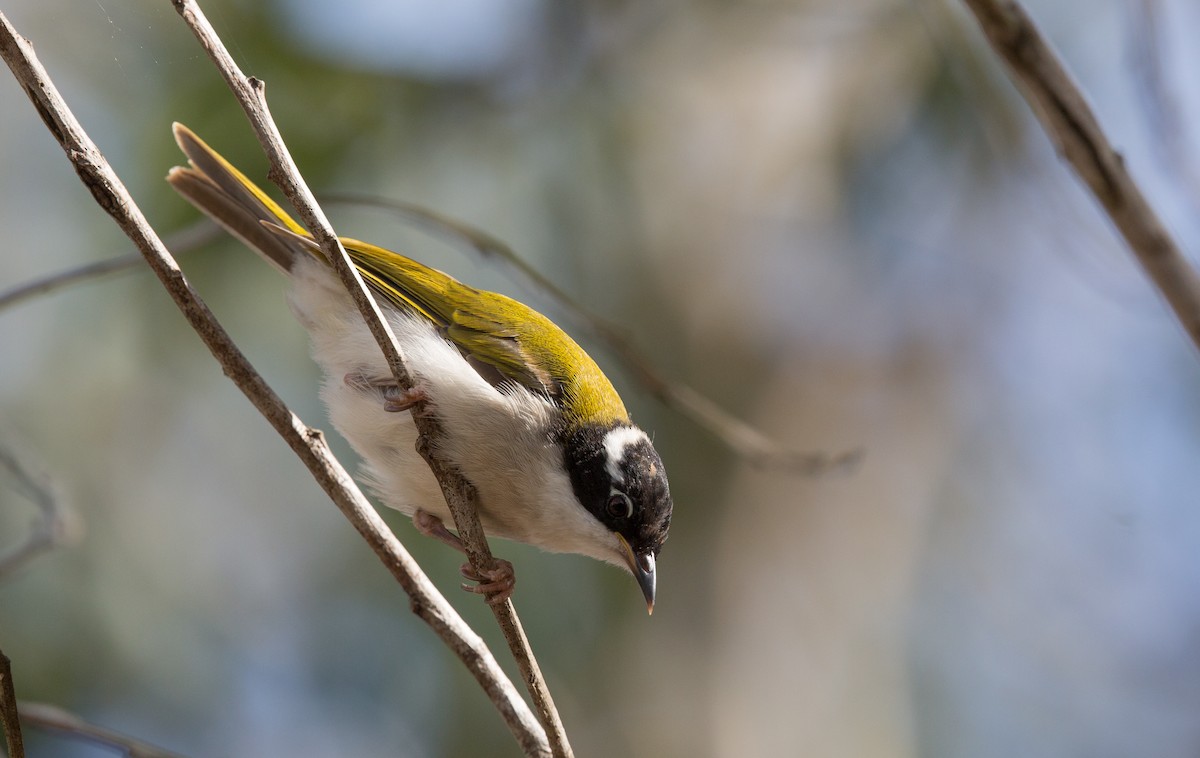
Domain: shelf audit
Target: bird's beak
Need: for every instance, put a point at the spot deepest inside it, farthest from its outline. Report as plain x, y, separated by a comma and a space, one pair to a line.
642, 567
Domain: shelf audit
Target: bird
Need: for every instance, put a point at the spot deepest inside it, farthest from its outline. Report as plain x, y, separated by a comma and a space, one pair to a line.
526, 414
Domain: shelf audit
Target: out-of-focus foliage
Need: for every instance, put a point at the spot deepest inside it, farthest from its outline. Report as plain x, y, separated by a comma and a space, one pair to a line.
836, 219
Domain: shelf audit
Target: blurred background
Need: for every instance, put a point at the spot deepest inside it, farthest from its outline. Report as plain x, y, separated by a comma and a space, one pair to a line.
839, 221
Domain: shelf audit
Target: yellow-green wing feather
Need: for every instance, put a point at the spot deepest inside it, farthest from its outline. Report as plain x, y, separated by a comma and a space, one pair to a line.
402, 281
506, 340
524, 346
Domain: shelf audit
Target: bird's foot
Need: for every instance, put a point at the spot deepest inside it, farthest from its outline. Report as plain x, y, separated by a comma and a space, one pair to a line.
395, 399
496, 583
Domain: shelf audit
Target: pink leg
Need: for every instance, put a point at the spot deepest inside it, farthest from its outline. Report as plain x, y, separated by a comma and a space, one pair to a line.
497, 583
395, 399
432, 526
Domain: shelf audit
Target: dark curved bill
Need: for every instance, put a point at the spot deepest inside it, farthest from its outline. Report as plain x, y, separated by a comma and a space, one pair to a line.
641, 565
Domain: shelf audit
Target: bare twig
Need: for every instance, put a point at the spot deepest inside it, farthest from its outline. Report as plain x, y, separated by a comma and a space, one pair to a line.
55, 719
308, 444
56, 524
460, 495
9, 718
1067, 118
182, 241
745, 440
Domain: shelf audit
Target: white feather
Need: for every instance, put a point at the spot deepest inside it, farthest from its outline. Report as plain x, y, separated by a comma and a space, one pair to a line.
500, 441
615, 444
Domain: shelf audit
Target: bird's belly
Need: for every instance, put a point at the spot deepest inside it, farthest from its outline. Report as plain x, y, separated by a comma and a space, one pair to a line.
524, 494
514, 493
500, 441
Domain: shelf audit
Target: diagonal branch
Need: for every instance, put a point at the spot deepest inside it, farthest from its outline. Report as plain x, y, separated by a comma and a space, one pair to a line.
56, 525
184, 240
55, 719
9, 718
1064, 113
459, 493
308, 444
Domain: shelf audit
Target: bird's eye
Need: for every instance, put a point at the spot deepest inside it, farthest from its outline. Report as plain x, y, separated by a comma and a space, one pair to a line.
619, 505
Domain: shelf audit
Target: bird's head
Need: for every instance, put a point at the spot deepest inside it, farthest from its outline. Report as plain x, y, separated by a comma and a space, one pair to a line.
619, 478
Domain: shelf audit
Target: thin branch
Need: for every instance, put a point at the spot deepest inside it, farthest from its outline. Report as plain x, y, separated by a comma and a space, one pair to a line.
459, 493
9, 718
308, 444
1067, 118
184, 240
56, 524
52, 718
745, 440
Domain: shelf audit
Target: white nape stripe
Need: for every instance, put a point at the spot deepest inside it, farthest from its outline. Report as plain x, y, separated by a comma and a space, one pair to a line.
615, 444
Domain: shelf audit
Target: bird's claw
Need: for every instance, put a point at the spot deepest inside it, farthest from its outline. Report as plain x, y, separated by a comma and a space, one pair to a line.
395, 400
496, 583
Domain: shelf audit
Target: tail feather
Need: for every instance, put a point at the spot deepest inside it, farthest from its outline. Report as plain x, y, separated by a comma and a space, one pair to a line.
225, 195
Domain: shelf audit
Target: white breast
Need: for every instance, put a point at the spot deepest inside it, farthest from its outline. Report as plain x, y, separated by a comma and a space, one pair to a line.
500, 441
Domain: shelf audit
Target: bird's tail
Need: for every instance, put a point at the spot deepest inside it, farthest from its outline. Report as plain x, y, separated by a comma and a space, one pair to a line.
225, 195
